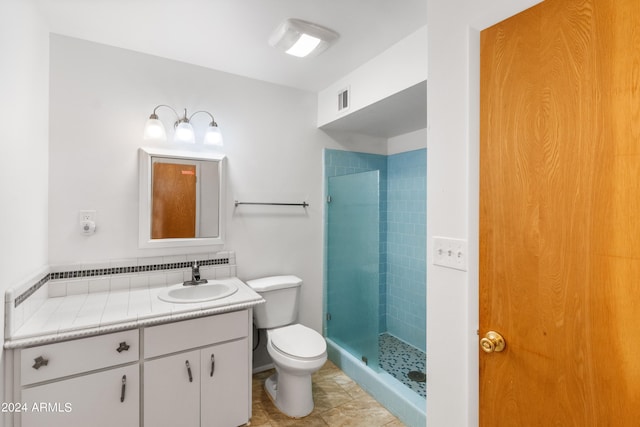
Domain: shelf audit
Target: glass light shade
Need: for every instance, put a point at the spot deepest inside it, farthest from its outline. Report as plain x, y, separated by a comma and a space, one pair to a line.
154, 131
184, 134
302, 38
213, 136
304, 46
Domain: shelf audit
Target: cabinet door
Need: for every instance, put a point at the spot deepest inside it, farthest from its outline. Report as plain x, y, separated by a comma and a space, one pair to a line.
225, 389
171, 397
90, 400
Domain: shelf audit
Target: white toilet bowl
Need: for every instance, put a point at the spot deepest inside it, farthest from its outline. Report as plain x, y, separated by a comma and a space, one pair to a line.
297, 352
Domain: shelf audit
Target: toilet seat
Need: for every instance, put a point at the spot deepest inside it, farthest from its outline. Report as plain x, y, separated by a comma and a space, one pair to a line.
298, 341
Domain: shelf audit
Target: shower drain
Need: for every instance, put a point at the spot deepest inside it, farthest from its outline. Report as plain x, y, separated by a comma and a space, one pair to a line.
417, 376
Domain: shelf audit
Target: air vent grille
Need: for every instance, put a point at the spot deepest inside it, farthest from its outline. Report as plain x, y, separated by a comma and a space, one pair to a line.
343, 99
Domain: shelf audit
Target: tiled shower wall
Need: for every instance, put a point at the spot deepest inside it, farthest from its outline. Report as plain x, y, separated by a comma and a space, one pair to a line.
402, 287
406, 246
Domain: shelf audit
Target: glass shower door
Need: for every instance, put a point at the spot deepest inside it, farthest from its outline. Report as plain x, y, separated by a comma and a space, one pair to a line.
353, 264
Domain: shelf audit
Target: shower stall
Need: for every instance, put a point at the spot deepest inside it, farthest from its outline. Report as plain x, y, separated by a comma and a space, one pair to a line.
375, 274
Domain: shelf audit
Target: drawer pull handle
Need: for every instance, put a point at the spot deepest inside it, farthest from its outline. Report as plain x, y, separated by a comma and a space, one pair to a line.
123, 347
124, 384
189, 371
40, 361
213, 364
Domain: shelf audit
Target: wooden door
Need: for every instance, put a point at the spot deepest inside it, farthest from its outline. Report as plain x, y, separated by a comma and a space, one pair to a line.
560, 215
173, 201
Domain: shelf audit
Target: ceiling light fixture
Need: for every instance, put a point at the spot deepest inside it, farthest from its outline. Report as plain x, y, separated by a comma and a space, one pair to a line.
301, 38
183, 133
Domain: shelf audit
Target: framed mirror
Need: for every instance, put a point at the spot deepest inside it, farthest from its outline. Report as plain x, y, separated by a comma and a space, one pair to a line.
180, 198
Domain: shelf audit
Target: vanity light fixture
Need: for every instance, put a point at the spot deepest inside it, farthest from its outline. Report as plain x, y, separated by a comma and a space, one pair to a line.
301, 38
183, 131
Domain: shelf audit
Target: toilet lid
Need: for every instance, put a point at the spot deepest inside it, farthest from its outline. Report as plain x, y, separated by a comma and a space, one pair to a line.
298, 341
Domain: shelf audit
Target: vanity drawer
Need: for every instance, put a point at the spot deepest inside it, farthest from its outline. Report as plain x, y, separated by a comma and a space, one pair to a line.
187, 334
77, 356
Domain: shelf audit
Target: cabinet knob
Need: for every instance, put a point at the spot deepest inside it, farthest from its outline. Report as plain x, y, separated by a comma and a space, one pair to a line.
213, 364
40, 361
189, 371
123, 347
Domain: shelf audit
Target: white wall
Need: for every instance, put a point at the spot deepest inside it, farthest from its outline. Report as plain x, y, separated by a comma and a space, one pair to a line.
401, 66
100, 99
24, 85
407, 142
452, 201
24, 80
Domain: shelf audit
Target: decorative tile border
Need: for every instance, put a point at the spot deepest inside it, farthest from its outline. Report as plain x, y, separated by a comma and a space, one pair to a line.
135, 269
76, 274
32, 290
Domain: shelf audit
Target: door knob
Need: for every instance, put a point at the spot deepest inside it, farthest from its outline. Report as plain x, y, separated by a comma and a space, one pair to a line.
492, 342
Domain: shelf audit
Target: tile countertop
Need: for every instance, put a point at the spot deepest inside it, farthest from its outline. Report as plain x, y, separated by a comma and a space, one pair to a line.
76, 316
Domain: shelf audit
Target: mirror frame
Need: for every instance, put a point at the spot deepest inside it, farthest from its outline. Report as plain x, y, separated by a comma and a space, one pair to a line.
146, 155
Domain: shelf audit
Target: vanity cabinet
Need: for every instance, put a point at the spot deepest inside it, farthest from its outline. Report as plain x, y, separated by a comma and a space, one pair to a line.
205, 392
91, 381
198, 379
102, 381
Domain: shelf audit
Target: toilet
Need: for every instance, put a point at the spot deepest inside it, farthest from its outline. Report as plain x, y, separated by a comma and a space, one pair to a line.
296, 351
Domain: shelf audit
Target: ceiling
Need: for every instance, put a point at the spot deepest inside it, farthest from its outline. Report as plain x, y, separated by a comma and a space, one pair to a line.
231, 35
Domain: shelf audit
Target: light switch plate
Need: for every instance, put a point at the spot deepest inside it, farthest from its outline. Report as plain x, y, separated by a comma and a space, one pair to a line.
451, 253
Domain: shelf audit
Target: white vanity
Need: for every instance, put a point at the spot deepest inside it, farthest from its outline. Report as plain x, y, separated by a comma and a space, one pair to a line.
157, 364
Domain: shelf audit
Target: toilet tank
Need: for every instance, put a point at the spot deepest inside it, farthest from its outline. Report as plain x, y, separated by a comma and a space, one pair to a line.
281, 296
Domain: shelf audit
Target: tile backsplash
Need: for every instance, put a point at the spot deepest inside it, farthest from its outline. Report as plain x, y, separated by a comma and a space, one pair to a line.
112, 276
109, 271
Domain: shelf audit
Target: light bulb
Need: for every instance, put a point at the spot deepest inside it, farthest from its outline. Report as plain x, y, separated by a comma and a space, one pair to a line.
213, 136
154, 130
184, 133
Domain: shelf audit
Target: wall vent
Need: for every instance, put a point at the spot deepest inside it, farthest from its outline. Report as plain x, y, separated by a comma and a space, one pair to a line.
343, 99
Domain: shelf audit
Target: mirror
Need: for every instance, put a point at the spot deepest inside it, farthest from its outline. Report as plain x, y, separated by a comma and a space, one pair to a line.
181, 195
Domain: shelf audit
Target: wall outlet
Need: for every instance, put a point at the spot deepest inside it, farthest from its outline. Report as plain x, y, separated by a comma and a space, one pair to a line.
87, 222
451, 253
88, 215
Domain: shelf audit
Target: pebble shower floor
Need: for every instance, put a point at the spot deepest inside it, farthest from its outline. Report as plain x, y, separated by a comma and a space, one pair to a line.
399, 358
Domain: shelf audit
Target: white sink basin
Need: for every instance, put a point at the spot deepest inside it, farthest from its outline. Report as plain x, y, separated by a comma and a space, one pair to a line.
197, 293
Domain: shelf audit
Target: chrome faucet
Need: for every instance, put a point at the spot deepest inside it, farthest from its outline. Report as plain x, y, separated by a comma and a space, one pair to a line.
195, 276
195, 272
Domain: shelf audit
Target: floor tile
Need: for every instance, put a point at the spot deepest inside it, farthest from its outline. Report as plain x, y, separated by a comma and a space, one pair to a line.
358, 413
339, 401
